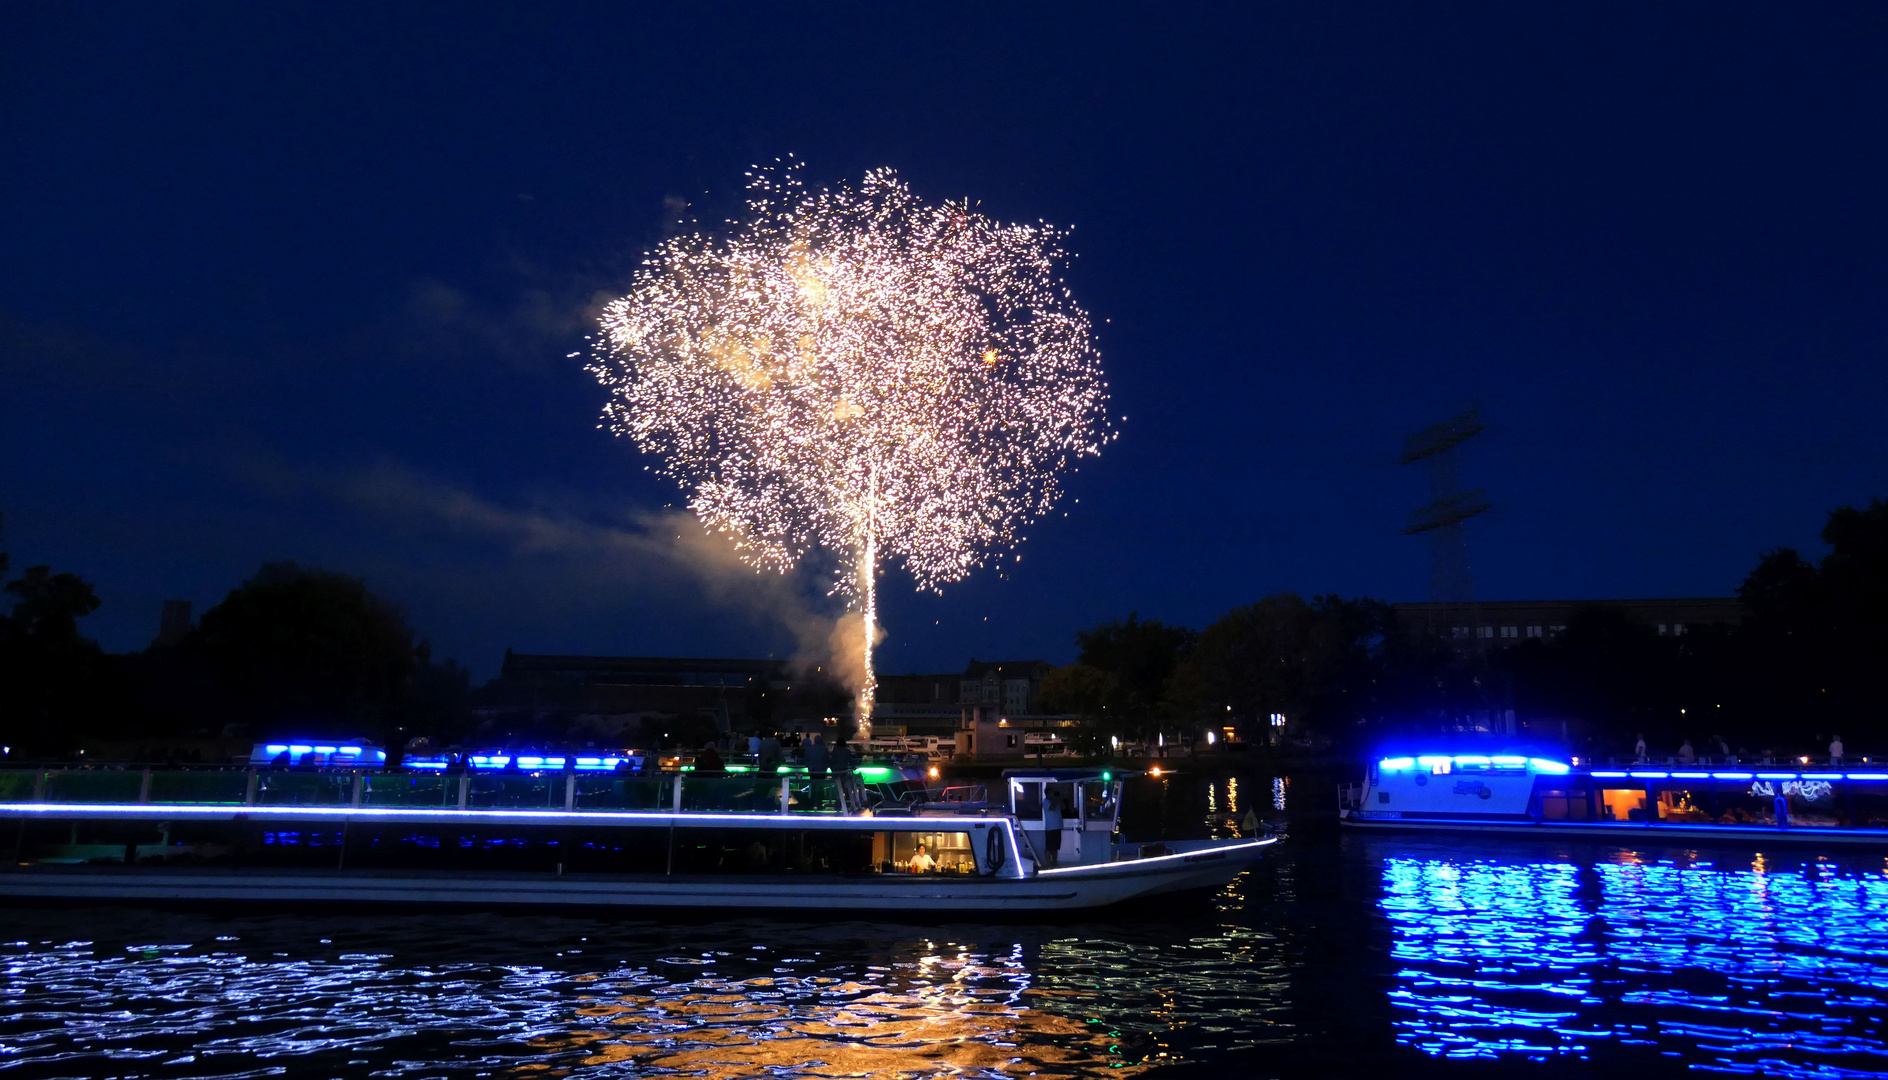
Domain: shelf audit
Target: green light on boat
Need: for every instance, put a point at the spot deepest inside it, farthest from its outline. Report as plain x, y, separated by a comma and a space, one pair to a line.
1107, 776
873, 773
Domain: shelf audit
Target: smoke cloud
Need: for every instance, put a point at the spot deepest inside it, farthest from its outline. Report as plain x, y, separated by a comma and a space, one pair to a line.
636, 551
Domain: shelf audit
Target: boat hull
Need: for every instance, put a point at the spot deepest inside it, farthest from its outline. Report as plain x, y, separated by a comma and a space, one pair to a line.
1068, 889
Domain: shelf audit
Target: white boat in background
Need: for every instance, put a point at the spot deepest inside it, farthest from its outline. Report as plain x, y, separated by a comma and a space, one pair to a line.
546, 831
1519, 791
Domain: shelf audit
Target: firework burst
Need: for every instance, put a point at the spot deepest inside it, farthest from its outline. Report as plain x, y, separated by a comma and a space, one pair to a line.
854, 372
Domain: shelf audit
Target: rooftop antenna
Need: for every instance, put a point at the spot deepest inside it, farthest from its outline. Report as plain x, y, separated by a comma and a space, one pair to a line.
1452, 610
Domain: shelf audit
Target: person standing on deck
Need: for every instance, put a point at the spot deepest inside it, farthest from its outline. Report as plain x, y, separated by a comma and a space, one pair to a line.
1835, 750
1783, 812
1052, 829
1686, 755
1638, 748
817, 759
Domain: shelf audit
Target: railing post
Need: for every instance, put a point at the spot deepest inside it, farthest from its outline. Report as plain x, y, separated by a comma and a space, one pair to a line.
144, 787
786, 797
570, 791
678, 792
465, 787
39, 785
249, 789
360, 782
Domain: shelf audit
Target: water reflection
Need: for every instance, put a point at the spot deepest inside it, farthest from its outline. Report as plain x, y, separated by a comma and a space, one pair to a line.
482, 995
1737, 966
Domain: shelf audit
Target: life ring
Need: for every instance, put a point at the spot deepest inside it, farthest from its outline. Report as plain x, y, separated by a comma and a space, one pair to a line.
994, 851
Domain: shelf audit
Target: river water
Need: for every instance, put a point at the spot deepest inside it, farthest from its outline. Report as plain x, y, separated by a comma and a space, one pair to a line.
1343, 955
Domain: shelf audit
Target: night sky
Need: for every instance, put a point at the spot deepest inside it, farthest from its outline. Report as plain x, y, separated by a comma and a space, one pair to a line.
300, 282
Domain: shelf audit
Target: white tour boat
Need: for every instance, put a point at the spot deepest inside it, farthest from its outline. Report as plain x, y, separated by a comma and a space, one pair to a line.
317, 824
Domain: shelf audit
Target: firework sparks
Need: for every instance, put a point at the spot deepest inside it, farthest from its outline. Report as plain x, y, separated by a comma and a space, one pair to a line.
856, 373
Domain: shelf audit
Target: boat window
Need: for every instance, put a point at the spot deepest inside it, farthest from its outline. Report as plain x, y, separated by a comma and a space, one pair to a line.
931, 853
1868, 802
1809, 803
449, 845
1685, 806
777, 851
1564, 804
1027, 797
1622, 804
79, 841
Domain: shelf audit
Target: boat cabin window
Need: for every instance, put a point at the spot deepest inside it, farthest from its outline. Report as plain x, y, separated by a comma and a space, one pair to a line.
474, 847
931, 853
1685, 806
1026, 798
1099, 800
1564, 804
1622, 804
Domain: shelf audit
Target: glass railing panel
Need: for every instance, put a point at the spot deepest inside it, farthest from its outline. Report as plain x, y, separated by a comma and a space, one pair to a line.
428, 790
516, 792
815, 796
628, 792
304, 789
739, 794
218, 786
94, 786
18, 785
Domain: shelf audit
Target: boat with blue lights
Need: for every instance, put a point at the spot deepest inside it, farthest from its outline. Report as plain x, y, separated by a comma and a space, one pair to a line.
1522, 791
317, 823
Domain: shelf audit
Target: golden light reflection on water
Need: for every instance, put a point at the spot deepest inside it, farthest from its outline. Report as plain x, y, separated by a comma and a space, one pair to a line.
959, 1015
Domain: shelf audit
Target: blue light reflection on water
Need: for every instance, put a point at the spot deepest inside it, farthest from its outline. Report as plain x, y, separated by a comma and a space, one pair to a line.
1752, 967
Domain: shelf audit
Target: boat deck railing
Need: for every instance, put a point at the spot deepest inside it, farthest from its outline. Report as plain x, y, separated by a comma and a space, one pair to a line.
675, 792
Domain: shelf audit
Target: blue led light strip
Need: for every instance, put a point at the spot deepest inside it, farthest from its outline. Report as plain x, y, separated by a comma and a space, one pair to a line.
824, 820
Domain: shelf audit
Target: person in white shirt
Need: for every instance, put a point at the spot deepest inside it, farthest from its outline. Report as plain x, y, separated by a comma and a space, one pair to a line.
1638, 749
1835, 750
922, 862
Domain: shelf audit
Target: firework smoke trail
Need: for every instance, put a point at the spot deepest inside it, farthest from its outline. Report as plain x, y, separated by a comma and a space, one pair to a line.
857, 374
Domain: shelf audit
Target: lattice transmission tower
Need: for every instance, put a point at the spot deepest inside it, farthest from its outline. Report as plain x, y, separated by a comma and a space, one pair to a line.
1452, 610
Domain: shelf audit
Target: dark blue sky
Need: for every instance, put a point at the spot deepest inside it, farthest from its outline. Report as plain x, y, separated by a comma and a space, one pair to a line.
299, 282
